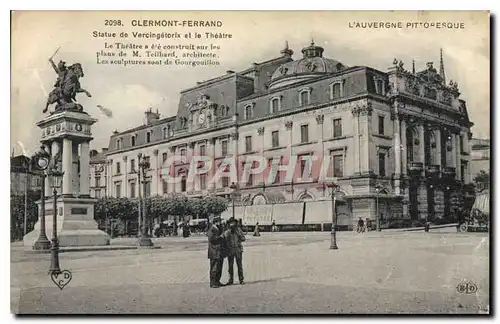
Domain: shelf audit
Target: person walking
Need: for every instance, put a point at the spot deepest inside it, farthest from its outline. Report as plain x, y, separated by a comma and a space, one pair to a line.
234, 236
361, 225
256, 231
215, 252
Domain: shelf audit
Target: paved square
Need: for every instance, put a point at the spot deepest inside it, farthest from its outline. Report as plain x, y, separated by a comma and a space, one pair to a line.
388, 272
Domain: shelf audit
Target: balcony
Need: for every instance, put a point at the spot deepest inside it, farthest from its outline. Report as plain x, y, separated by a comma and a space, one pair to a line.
449, 172
433, 169
415, 166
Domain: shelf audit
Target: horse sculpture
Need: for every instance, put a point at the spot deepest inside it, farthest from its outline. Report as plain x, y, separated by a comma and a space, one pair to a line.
66, 87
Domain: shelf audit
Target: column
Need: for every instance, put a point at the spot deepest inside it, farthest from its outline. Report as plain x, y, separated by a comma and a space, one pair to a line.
397, 155
421, 139
365, 122
437, 135
453, 159
48, 189
84, 168
155, 174
125, 171
458, 152
355, 118
67, 164
404, 153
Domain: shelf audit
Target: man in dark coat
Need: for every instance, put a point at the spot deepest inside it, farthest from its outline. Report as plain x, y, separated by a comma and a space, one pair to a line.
234, 236
216, 244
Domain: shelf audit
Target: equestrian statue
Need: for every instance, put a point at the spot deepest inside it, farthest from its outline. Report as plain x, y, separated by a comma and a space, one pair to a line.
66, 87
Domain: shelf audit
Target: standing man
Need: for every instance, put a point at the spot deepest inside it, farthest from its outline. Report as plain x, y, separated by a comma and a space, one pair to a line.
234, 236
215, 252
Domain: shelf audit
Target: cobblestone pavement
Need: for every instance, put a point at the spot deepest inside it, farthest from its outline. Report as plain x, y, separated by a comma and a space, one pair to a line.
411, 272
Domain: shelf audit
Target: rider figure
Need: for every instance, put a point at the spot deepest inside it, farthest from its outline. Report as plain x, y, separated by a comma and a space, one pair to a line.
61, 72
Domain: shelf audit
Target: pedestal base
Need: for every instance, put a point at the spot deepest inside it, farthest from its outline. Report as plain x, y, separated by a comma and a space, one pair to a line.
75, 224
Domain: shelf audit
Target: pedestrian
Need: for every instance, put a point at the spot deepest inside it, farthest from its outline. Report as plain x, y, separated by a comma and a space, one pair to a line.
256, 231
368, 224
234, 236
215, 252
273, 226
361, 225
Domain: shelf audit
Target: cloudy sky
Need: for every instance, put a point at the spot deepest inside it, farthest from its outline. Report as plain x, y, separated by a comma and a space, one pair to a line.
257, 36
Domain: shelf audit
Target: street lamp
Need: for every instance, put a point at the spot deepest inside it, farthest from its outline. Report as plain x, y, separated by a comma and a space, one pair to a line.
41, 163
333, 241
55, 177
378, 188
234, 192
144, 165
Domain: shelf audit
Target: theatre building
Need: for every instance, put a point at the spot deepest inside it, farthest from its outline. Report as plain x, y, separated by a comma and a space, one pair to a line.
397, 139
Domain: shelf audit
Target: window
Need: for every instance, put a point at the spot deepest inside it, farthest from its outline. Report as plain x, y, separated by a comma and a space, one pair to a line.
337, 127
304, 133
132, 140
148, 137
463, 169
146, 160
203, 181
304, 97
132, 165
381, 164
132, 190
202, 150
97, 182
275, 105
183, 184
97, 193
379, 87
248, 111
336, 90
338, 166
165, 132
273, 170
224, 147
304, 161
381, 125
118, 168
183, 152
225, 182
248, 144
169, 130
275, 139
118, 144
147, 189
118, 189
250, 180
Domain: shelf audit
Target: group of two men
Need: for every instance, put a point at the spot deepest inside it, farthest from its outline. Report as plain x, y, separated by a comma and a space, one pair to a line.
224, 243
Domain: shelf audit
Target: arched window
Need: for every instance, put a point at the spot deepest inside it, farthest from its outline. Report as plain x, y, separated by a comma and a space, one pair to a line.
118, 144
304, 96
336, 90
248, 111
165, 132
132, 140
275, 105
148, 137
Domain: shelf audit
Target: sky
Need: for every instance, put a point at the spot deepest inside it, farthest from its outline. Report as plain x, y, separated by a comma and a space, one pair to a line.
256, 37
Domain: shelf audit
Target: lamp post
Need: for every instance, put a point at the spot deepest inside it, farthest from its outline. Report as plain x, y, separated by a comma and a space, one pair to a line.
55, 177
333, 241
378, 187
41, 163
144, 239
234, 190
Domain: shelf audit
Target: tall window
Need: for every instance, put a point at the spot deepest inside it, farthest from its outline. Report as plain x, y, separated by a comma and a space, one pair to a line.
248, 144
97, 193
273, 170
248, 111
183, 184
304, 97
203, 181
132, 190
148, 137
118, 189
118, 144
165, 133
97, 182
304, 133
275, 138
336, 90
132, 165
202, 150
118, 168
304, 166
381, 164
164, 157
132, 140
275, 105
338, 166
225, 182
381, 125
337, 127
183, 152
224, 147
379, 86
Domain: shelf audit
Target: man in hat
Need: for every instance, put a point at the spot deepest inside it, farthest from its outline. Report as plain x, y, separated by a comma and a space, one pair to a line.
215, 251
234, 236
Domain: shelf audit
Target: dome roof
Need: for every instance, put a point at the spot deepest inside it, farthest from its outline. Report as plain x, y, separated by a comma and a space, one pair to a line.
312, 65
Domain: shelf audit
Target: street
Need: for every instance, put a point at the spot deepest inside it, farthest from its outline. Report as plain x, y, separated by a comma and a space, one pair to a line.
371, 273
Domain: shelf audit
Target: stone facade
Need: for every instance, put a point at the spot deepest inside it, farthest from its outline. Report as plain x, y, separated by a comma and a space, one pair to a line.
397, 140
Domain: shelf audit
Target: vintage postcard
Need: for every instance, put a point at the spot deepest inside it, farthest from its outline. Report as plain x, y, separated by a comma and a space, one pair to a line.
260, 162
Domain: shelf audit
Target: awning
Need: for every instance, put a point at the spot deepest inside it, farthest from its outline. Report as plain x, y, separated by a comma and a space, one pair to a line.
482, 203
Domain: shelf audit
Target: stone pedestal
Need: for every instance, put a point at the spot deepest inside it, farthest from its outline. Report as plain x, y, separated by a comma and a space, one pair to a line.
68, 135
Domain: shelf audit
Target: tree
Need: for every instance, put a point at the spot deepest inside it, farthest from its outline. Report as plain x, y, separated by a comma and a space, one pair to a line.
482, 180
215, 205
17, 216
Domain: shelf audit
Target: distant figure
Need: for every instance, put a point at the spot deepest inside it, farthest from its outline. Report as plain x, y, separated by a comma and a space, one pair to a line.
361, 225
273, 227
234, 236
256, 231
368, 224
